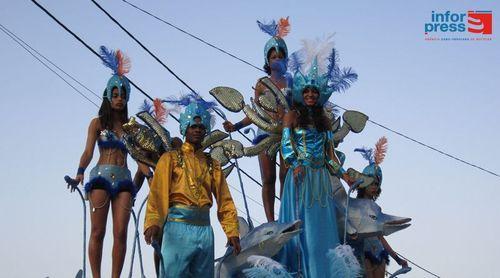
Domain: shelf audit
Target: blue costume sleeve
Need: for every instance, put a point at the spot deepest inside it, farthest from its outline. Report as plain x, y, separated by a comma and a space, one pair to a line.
288, 148
334, 167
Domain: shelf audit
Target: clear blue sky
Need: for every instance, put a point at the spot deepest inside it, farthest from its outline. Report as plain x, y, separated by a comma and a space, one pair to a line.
442, 93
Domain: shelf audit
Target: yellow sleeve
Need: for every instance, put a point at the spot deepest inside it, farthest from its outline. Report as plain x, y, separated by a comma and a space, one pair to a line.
158, 199
226, 211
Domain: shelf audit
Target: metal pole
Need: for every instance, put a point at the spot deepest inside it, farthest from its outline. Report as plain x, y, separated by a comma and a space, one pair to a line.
137, 240
74, 186
249, 219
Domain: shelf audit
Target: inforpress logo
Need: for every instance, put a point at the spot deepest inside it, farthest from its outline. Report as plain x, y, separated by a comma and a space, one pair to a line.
472, 25
480, 22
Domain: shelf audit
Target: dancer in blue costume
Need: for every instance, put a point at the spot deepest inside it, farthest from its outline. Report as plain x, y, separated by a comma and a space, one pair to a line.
275, 56
307, 147
110, 183
376, 249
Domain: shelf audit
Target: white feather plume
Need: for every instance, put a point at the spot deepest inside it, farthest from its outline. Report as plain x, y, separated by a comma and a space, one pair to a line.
343, 263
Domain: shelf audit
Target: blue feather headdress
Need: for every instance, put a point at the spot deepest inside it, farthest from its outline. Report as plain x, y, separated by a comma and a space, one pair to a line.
119, 63
317, 65
374, 157
277, 31
195, 106
367, 154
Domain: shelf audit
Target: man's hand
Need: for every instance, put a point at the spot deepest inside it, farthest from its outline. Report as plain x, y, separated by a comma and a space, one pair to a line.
235, 242
152, 233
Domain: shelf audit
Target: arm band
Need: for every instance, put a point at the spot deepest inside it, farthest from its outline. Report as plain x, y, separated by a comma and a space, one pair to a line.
238, 125
80, 171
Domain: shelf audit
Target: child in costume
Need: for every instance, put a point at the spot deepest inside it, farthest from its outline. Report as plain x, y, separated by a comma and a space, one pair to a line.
180, 199
110, 183
376, 249
307, 147
275, 56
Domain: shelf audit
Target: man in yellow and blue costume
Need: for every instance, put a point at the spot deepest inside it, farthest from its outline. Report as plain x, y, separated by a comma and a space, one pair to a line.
180, 198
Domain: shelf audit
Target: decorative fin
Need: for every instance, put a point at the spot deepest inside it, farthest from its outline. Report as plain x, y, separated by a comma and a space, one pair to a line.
380, 150
243, 226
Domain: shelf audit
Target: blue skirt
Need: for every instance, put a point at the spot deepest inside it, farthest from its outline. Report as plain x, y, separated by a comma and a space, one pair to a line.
311, 201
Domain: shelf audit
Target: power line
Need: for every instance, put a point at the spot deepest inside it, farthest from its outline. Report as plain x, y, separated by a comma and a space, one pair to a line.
18, 40
193, 36
195, 92
48, 60
86, 45
13, 37
429, 147
417, 265
156, 57
373, 122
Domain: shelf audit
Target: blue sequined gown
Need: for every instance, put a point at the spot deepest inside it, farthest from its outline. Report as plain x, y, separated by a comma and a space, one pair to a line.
311, 201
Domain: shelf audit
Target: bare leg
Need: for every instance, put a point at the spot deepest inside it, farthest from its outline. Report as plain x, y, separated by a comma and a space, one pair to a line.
268, 174
369, 269
99, 201
121, 207
379, 271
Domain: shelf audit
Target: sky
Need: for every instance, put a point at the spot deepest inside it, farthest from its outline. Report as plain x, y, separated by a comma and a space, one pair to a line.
443, 93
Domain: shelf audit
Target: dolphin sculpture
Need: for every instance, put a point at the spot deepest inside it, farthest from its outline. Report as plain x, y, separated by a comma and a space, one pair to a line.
265, 240
365, 218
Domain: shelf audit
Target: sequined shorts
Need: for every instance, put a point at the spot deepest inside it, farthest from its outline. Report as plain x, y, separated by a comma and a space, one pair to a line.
112, 178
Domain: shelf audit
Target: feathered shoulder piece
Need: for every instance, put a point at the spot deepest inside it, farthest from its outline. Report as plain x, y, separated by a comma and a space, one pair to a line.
275, 29
380, 150
116, 60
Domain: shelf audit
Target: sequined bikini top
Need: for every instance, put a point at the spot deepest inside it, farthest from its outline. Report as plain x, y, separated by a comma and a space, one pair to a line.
109, 140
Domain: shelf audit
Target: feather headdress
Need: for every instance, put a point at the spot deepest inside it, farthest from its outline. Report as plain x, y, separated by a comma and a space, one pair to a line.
119, 63
157, 109
273, 29
195, 106
374, 157
316, 64
277, 31
380, 150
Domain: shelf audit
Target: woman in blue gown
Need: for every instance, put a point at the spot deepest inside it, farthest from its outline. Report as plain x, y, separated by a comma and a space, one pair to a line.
307, 147
308, 194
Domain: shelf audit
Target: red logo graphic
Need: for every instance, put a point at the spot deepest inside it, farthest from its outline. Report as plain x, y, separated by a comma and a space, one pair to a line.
480, 22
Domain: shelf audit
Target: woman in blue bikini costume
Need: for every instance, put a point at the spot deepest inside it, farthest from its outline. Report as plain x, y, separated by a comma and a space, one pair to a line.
110, 183
275, 56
